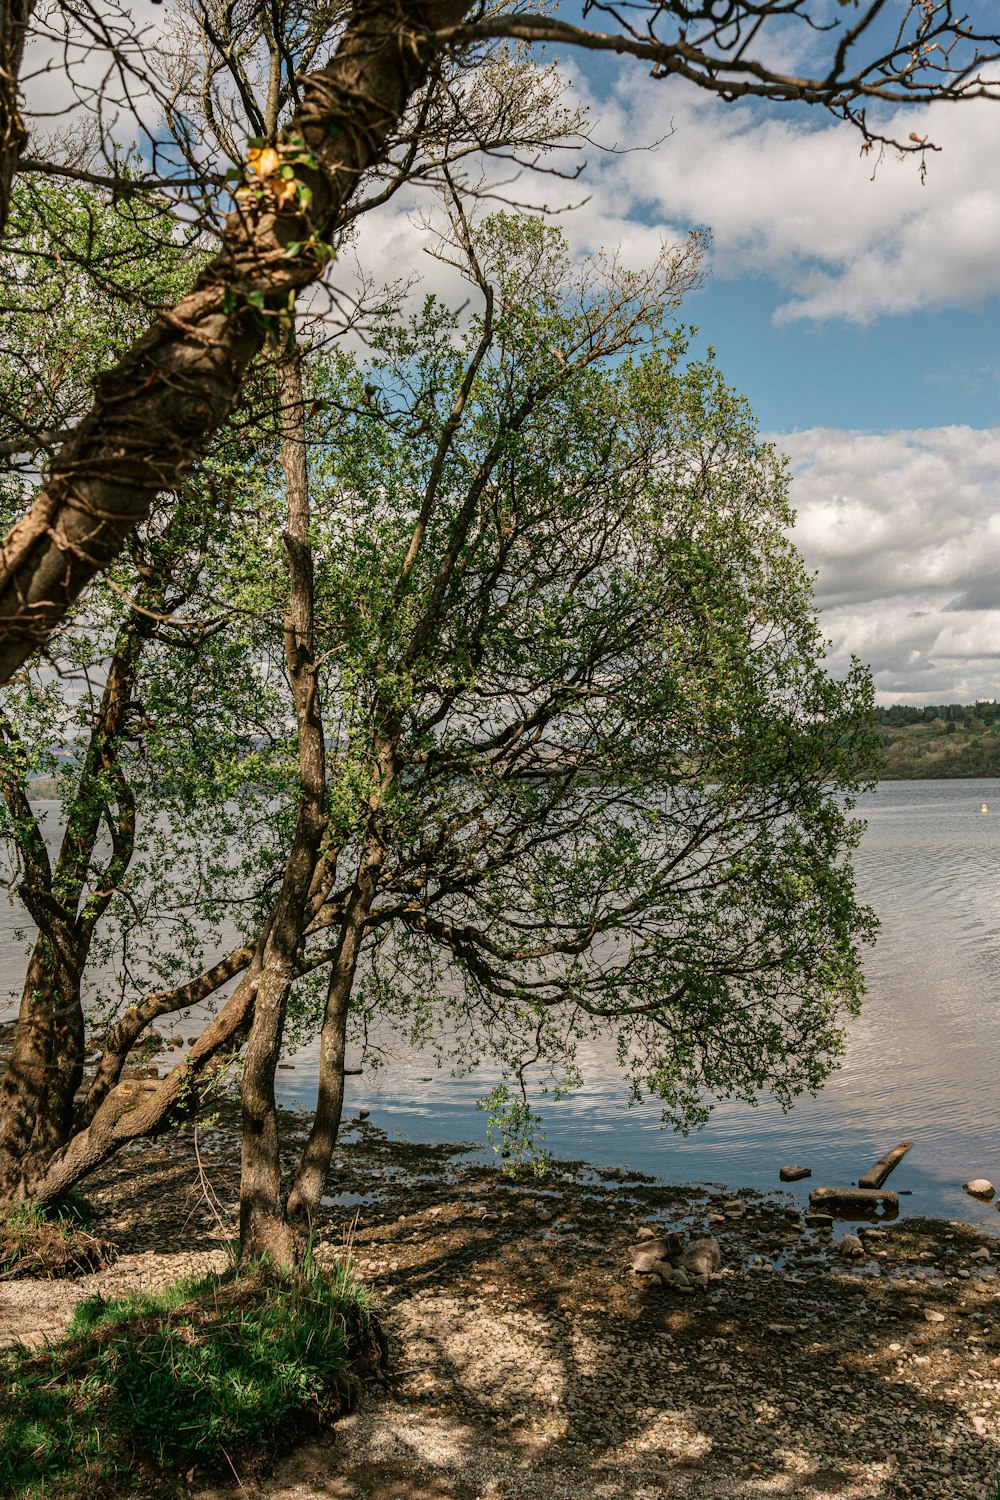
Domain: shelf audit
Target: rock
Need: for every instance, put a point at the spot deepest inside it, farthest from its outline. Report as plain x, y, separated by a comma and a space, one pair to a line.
794, 1174
646, 1263
979, 1187
665, 1248
733, 1208
793, 1215
673, 1276
363, 1114
782, 1328
851, 1247
645, 1233
932, 1316
702, 1257
819, 1221
981, 1254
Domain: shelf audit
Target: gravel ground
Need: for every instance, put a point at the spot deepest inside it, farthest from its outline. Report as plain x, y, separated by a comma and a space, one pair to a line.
529, 1362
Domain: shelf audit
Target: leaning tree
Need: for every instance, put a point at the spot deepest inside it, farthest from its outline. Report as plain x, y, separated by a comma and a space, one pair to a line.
566, 760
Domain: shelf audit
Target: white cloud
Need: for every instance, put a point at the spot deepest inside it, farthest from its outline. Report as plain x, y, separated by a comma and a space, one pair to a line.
796, 201
903, 530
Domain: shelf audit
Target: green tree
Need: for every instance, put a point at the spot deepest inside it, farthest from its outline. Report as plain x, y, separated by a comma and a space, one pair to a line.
157, 407
551, 746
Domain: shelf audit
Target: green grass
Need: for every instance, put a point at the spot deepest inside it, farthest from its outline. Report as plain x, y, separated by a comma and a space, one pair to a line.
216, 1374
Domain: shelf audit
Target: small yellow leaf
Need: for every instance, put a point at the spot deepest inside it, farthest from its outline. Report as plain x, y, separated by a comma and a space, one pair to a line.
284, 189
263, 160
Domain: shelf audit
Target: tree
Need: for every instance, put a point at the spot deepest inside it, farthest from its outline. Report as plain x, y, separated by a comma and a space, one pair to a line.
157, 409
588, 763
566, 756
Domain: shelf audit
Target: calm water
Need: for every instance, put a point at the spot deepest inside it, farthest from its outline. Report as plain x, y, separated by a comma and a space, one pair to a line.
923, 1061
922, 1064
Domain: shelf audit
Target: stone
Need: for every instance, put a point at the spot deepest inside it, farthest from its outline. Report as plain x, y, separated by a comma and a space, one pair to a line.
702, 1257
667, 1247
819, 1221
646, 1263
851, 1247
645, 1233
794, 1173
363, 1114
979, 1187
931, 1315
981, 1254
673, 1276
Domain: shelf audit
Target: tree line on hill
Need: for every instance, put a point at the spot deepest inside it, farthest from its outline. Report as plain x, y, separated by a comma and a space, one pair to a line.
939, 740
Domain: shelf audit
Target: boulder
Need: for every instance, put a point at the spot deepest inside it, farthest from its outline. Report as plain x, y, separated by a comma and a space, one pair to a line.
981, 1254
851, 1247
702, 1257
667, 1247
646, 1263
979, 1187
794, 1173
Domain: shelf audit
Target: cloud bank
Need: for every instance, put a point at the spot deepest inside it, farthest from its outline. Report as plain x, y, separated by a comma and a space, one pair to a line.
903, 531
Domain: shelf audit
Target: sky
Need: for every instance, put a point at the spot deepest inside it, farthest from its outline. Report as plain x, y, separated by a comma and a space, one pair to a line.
860, 314
858, 310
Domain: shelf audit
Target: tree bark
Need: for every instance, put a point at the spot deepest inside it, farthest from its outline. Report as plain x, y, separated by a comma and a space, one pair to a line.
317, 1154
46, 1062
15, 16
264, 1229
134, 1109
157, 409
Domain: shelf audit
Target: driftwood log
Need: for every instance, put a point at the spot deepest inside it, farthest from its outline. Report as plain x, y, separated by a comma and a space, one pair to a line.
877, 1174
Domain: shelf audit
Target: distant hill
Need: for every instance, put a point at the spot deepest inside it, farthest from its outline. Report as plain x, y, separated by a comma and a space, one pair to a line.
944, 740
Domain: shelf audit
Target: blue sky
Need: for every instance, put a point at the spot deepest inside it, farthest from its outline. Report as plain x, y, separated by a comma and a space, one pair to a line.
861, 318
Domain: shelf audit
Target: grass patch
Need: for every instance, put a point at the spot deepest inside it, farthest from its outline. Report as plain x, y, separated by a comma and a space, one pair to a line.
214, 1375
50, 1242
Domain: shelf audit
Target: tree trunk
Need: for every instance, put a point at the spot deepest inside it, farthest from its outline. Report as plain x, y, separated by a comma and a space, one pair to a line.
317, 1154
45, 1065
264, 1230
314, 1165
15, 16
137, 1108
156, 411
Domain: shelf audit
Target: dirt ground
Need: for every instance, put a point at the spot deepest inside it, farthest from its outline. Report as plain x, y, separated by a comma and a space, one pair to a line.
529, 1362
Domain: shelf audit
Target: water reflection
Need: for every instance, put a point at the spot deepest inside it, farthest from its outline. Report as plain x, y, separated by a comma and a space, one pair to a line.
923, 1061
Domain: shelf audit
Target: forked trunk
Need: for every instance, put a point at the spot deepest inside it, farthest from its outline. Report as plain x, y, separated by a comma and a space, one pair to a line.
264, 1230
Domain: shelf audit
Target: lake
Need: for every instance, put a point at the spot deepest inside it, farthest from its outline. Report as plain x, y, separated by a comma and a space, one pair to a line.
922, 1062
